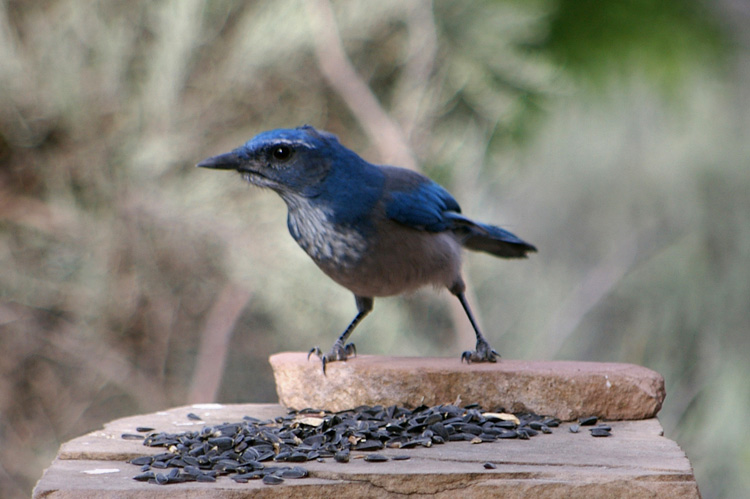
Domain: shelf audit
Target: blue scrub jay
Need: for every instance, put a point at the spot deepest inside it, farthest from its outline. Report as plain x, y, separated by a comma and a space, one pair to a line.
376, 230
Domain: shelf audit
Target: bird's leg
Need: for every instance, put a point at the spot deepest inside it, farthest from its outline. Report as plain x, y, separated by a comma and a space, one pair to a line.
341, 350
484, 352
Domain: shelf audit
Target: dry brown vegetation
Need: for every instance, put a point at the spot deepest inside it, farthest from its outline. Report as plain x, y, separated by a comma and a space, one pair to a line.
130, 281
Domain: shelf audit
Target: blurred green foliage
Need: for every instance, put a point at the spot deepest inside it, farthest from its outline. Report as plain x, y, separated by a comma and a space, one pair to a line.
664, 41
114, 251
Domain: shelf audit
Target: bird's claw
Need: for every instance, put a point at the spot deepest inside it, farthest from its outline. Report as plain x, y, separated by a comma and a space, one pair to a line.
483, 353
314, 350
339, 351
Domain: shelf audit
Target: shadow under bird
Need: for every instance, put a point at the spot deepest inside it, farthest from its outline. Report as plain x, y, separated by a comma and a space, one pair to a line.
376, 230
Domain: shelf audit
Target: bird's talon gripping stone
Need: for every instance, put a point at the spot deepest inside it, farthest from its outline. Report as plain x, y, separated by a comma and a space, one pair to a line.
483, 353
314, 350
350, 349
338, 352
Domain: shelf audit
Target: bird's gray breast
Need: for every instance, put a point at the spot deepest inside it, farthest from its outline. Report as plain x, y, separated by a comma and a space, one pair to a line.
311, 225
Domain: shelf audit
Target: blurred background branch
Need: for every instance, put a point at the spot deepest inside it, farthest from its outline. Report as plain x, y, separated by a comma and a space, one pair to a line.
612, 135
214, 345
341, 76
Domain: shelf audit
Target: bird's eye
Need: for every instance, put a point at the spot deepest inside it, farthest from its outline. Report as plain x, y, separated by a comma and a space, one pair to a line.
281, 152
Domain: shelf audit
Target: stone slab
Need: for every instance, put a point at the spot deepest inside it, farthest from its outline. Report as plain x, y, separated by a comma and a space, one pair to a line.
637, 461
566, 390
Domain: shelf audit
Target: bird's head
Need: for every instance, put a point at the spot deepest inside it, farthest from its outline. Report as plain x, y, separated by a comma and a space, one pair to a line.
289, 161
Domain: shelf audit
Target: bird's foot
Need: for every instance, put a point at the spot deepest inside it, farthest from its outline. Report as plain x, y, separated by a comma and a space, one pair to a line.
339, 351
483, 353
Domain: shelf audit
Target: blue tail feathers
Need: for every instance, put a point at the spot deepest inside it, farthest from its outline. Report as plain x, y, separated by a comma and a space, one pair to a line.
488, 238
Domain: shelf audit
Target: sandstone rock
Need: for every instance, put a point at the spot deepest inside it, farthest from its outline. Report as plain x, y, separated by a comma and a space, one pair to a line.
566, 390
636, 462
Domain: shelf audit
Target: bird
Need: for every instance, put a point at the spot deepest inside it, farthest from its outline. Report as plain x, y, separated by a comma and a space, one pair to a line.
376, 230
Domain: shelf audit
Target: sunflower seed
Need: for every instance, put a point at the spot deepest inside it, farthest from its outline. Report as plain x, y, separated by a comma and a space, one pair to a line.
588, 421
272, 480
295, 472
141, 460
145, 477
601, 431
131, 436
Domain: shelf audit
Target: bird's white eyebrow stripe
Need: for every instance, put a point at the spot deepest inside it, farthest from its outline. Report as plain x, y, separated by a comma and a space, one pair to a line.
291, 142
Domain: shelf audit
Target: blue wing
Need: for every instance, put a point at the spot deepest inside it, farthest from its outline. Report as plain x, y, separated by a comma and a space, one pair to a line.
418, 202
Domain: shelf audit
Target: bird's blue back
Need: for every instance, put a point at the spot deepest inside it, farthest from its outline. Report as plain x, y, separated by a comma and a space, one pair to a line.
353, 186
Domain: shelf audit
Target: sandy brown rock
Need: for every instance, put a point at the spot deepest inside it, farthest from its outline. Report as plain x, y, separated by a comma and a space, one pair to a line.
563, 389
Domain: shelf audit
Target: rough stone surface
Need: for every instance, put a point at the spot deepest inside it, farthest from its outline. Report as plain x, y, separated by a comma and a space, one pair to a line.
637, 461
566, 390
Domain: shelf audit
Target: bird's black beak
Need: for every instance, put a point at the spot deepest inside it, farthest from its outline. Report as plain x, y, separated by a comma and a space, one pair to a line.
227, 161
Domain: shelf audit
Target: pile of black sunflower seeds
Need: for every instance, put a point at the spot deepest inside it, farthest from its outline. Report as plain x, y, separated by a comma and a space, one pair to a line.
270, 450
